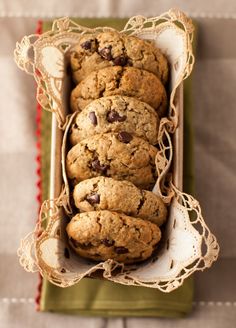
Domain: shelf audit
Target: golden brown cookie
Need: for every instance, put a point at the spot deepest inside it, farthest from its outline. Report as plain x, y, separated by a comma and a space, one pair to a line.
124, 81
103, 235
117, 155
112, 48
102, 193
114, 114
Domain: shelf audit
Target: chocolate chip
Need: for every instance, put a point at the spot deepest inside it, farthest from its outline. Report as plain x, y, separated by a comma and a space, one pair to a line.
87, 45
99, 167
93, 198
124, 137
121, 250
66, 253
63, 270
108, 242
120, 60
74, 126
129, 62
74, 242
106, 53
93, 118
113, 116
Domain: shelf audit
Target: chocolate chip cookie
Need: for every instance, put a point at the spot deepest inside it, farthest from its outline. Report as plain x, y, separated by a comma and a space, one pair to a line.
103, 235
112, 48
118, 155
124, 81
114, 114
102, 193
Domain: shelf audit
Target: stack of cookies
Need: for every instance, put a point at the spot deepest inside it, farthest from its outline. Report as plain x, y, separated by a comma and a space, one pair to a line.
119, 98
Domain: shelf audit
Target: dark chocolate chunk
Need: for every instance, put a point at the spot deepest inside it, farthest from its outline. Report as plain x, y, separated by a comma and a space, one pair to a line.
93, 198
93, 118
129, 62
66, 253
87, 45
99, 167
113, 116
108, 242
106, 53
125, 137
63, 270
121, 250
75, 126
120, 60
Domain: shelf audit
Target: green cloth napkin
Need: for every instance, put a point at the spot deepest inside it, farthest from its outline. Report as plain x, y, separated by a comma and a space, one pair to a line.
102, 298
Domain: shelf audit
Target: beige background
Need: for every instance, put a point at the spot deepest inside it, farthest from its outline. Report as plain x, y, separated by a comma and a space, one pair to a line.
214, 96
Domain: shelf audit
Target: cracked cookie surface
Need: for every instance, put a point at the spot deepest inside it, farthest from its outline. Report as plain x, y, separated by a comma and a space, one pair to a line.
124, 81
110, 48
103, 235
114, 114
118, 155
102, 193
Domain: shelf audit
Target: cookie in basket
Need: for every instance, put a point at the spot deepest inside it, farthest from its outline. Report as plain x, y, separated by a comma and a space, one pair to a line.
103, 235
112, 48
118, 155
114, 114
102, 193
124, 81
